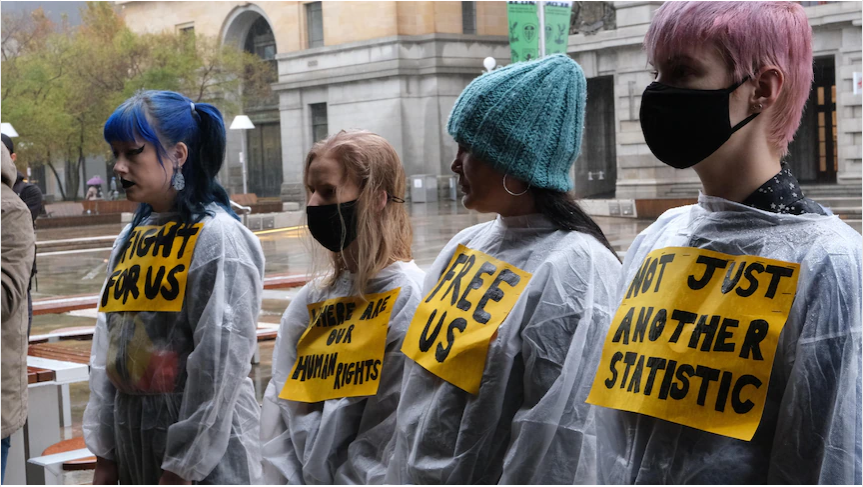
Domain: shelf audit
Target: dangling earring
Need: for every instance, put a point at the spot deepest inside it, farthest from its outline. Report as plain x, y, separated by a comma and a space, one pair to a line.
178, 182
510, 192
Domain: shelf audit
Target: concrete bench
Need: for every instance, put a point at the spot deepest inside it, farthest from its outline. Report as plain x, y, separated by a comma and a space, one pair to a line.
66, 208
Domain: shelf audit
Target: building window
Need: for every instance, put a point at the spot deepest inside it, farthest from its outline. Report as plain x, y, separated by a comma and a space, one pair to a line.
468, 17
319, 121
315, 19
260, 41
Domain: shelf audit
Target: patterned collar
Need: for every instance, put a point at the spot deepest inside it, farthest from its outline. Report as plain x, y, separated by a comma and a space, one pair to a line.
782, 194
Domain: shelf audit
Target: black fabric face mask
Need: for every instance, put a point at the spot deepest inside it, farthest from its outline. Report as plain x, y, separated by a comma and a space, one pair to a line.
682, 127
326, 226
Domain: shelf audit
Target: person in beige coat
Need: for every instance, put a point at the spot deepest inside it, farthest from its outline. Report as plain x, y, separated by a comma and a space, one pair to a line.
18, 249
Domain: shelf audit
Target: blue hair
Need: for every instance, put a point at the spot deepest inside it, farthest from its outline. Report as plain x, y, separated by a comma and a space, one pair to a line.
157, 116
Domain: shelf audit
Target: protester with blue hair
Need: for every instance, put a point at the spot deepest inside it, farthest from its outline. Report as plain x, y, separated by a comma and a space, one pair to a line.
171, 401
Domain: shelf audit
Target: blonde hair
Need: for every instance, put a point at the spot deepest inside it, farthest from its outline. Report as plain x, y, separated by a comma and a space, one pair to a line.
382, 237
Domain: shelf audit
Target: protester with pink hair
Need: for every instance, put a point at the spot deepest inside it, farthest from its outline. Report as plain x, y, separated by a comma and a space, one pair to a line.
731, 82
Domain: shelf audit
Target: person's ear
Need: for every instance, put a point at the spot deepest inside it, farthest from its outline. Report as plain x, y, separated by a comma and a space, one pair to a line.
769, 83
382, 201
181, 153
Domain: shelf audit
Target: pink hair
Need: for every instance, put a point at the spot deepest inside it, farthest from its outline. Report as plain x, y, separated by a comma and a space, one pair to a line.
749, 35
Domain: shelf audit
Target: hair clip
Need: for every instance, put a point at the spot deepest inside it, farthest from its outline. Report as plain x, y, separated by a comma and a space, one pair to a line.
394, 199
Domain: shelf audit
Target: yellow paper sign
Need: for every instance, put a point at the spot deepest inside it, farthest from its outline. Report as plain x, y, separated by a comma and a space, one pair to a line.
152, 269
452, 328
694, 339
342, 351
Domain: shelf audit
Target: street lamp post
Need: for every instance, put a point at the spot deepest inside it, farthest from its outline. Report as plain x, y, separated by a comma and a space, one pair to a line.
7, 129
242, 122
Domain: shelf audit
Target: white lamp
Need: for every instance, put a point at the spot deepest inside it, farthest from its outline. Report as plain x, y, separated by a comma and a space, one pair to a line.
242, 122
8, 130
489, 63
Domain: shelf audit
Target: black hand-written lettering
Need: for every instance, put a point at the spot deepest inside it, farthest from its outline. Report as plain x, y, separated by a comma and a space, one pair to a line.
112, 282
683, 318
635, 383
127, 283
172, 293
778, 273
442, 352
658, 325
165, 240
711, 264
743, 407
641, 324
753, 281
654, 364
683, 373
664, 389
648, 278
637, 280
146, 241
617, 357
494, 293
706, 329
426, 340
665, 259
721, 345
624, 328
475, 283
754, 335
722, 395
448, 276
187, 232
152, 285
729, 282
629, 360
707, 374
454, 288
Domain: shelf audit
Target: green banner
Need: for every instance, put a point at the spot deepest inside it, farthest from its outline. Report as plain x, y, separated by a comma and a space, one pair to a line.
557, 27
523, 30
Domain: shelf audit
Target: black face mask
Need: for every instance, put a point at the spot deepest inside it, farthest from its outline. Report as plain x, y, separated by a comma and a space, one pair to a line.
326, 226
682, 127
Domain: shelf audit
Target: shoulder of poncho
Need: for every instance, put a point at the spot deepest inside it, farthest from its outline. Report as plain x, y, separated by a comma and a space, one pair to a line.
222, 233
579, 252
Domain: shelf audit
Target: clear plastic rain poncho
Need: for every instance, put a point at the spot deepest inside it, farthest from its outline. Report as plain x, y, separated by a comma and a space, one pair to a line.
171, 390
510, 428
344, 440
810, 429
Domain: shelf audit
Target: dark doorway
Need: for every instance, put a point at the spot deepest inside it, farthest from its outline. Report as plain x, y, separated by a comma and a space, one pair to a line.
265, 160
596, 167
813, 155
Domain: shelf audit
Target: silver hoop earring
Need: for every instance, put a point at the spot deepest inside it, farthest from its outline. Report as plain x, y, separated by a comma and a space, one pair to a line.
510, 192
178, 182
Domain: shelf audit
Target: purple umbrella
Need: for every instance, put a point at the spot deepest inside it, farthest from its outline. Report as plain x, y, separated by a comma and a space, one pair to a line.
95, 181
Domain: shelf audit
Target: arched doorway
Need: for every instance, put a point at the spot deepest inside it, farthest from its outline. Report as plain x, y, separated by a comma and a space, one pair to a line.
249, 29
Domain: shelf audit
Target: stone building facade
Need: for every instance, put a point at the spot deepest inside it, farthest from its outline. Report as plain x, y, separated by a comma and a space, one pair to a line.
396, 68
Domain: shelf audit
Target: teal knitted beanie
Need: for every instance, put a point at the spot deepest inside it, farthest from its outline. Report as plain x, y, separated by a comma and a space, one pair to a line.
526, 119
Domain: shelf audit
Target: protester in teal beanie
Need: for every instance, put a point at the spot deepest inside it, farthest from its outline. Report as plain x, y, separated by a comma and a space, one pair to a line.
526, 120
484, 389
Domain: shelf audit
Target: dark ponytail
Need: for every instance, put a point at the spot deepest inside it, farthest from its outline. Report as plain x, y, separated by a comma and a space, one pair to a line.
562, 209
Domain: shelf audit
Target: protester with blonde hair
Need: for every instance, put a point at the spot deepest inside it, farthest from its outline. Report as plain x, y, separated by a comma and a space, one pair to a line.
329, 410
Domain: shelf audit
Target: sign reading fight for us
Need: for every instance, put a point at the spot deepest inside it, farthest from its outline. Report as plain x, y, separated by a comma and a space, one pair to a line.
694, 339
341, 352
452, 328
152, 269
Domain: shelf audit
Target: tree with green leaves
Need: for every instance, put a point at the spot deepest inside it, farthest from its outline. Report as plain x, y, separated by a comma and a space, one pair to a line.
60, 84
